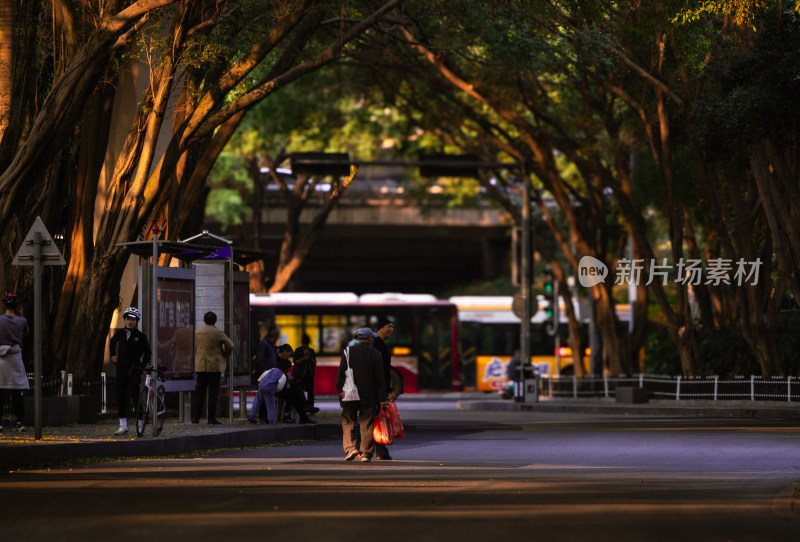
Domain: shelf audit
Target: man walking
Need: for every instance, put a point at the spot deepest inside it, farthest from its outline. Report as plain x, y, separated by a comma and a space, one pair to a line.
384, 330
367, 368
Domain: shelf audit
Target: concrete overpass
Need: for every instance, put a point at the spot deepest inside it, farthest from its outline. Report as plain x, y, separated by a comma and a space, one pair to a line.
382, 238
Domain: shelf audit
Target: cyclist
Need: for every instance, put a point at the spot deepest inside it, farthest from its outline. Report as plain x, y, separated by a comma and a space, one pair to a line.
130, 352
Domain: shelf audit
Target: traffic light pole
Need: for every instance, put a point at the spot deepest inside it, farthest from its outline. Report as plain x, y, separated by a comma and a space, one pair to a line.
552, 326
526, 261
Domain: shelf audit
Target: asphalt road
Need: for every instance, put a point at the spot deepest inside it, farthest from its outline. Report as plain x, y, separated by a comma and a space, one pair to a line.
456, 476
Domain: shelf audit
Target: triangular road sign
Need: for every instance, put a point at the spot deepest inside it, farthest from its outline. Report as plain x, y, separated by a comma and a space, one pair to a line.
50, 253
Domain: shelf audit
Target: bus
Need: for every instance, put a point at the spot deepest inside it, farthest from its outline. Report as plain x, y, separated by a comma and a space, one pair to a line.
423, 345
489, 334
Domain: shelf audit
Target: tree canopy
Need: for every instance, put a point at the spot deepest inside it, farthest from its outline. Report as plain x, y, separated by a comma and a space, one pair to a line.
117, 112
658, 130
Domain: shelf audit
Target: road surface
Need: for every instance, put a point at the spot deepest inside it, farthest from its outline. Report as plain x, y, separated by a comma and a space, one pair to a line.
458, 475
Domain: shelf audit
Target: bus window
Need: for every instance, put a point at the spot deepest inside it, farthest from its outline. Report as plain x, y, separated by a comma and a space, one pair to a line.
357, 321
333, 340
291, 326
311, 328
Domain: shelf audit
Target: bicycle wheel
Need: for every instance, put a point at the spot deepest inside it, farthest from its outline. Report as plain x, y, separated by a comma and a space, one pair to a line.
142, 412
161, 410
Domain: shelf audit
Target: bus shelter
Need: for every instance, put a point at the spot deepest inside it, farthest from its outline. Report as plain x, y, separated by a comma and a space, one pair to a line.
207, 278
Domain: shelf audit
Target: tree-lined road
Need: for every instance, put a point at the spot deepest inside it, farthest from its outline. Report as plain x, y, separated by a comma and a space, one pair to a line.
457, 476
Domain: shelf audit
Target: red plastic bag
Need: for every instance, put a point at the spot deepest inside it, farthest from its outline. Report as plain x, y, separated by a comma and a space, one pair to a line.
397, 422
382, 430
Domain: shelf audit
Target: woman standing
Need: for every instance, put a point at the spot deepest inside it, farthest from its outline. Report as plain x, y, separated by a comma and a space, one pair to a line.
12, 371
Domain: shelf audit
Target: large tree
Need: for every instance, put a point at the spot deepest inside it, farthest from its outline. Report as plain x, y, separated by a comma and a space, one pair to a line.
204, 64
469, 98
615, 89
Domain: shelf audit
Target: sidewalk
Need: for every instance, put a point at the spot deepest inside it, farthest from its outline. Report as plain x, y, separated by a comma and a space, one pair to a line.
78, 441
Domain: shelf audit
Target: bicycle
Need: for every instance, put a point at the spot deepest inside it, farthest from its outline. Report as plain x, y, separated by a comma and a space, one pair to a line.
151, 398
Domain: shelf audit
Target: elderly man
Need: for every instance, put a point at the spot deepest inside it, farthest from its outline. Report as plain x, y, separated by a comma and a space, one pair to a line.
367, 368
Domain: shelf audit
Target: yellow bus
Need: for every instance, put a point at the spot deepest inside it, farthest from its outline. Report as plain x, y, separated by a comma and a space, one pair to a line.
489, 334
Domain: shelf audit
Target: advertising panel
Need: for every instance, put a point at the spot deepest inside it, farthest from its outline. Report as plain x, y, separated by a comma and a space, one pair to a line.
240, 332
492, 371
176, 326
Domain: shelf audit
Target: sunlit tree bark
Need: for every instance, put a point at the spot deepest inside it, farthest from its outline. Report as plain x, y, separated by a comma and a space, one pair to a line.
56, 165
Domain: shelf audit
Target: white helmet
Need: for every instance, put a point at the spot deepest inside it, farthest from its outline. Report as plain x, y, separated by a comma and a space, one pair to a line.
132, 312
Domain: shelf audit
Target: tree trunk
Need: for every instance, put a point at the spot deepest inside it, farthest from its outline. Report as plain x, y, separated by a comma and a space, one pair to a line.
80, 222
616, 353
574, 338
93, 304
776, 173
296, 245
7, 18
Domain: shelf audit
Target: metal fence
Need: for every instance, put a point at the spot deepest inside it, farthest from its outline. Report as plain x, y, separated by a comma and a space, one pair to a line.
711, 388
64, 384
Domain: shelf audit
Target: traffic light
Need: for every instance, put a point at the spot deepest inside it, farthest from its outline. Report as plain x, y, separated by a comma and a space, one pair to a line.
549, 291
551, 298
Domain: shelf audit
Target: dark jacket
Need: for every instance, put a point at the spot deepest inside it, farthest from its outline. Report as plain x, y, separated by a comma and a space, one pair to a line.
266, 359
367, 372
386, 358
133, 351
304, 369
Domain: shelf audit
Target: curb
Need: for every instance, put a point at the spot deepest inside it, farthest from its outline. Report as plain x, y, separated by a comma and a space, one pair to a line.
635, 410
32, 455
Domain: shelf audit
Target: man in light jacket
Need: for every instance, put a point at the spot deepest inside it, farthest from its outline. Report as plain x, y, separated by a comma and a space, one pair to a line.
212, 348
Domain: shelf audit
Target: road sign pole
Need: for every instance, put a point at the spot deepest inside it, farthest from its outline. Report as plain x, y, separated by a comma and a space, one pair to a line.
37, 334
232, 355
154, 327
38, 249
